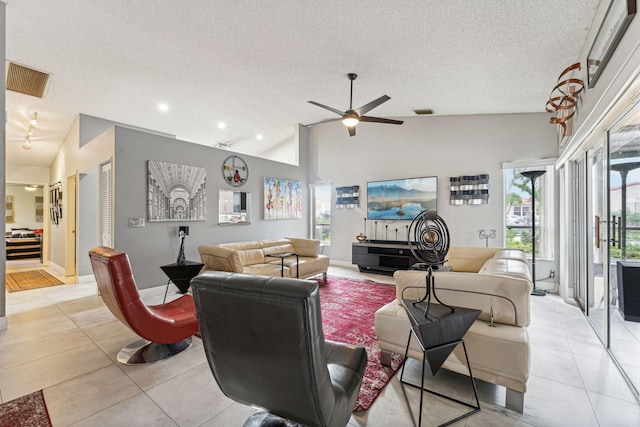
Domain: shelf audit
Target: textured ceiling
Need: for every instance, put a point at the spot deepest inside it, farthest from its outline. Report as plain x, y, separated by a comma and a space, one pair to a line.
255, 64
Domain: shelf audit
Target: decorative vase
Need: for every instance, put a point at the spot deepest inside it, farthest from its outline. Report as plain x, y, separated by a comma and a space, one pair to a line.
361, 237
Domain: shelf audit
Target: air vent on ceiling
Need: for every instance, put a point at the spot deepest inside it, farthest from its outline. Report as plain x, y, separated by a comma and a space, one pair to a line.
26, 80
423, 111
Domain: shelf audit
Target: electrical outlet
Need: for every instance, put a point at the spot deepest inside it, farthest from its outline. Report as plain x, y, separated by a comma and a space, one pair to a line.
552, 273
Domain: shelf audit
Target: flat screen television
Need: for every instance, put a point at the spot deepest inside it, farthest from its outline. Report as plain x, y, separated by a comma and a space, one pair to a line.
398, 199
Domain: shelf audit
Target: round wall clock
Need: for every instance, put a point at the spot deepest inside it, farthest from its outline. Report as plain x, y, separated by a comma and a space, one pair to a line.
235, 171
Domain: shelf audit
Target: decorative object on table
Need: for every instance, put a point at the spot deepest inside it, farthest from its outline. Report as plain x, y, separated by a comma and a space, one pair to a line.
351, 117
176, 192
429, 242
532, 175
401, 198
386, 232
348, 197
375, 230
282, 198
361, 237
616, 21
482, 234
564, 100
182, 232
469, 189
235, 171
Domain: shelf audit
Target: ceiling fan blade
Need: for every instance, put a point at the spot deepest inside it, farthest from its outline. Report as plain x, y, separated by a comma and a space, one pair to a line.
352, 131
327, 108
380, 120
373, 104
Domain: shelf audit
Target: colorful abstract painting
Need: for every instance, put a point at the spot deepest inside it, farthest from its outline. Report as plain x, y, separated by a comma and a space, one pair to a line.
282, 198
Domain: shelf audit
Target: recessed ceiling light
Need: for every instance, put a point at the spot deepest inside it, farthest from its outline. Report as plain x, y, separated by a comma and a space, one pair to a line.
259, 137
222, 125
163, 106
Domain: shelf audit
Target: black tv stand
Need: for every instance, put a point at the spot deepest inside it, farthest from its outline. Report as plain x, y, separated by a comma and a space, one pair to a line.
382, 256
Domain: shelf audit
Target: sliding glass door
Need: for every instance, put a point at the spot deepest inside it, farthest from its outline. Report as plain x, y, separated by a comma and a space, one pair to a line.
624, 245
596, 306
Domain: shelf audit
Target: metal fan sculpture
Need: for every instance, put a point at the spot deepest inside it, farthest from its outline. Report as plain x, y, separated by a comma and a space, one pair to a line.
428, 238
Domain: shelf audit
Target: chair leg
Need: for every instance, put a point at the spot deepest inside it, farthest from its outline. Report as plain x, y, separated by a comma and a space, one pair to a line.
385, 357
143, 351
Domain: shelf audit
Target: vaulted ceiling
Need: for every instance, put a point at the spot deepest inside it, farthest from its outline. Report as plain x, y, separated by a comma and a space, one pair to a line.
253, 65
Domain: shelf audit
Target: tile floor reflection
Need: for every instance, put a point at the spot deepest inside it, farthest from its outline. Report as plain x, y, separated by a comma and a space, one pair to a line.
63, 340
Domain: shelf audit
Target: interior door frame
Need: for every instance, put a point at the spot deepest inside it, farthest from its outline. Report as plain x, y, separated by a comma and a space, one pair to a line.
71, 236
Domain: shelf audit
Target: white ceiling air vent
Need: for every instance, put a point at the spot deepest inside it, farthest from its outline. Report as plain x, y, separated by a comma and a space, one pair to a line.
26, 80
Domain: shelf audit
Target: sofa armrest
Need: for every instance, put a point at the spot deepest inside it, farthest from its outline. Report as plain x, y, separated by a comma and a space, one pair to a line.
222, 259
305, 247
504, 298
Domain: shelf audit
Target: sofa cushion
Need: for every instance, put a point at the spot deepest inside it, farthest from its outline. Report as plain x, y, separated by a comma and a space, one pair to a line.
469, 260
266, 270
305, 247
515, 254
220, 258
506, 267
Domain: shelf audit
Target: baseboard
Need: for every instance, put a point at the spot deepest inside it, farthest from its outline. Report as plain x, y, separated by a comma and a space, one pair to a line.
86, 279
340, 263
56, 267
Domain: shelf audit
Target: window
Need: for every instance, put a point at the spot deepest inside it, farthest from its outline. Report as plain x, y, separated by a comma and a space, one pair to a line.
321, 220
518, 209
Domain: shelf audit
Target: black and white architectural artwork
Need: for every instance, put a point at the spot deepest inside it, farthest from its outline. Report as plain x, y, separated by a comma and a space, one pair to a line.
176, 192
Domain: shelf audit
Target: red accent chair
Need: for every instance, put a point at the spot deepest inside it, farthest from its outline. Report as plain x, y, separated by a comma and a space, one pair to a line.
166, 329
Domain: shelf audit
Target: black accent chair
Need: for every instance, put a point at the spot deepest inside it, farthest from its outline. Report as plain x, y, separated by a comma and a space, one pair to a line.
264, 342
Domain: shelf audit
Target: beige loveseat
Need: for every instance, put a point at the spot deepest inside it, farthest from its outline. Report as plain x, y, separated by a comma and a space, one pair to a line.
496, 281
252, 257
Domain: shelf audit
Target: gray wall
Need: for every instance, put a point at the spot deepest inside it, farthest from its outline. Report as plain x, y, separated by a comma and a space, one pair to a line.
442, 146
157, 243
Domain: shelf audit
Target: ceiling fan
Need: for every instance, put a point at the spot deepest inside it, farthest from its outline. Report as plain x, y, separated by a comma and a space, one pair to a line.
352, 117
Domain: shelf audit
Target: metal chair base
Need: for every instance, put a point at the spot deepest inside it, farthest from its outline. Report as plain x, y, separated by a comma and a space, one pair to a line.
267, 419
143, 351
422, 388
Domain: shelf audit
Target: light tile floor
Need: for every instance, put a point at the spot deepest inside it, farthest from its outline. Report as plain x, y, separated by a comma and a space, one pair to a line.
64, 340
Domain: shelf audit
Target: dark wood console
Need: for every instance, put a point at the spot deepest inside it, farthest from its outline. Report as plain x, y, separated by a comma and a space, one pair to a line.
382, 256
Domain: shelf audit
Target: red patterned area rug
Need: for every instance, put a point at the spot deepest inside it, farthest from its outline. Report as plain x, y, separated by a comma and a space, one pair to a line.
26, 411
348, 306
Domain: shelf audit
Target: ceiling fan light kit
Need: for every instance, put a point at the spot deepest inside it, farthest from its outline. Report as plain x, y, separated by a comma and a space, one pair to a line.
351, 117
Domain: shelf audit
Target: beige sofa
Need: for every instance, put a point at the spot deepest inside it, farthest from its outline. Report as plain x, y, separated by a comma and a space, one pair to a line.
252, 257
496, 281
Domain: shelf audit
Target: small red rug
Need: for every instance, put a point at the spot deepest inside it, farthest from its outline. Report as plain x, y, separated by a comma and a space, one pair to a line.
25, 411
348, 306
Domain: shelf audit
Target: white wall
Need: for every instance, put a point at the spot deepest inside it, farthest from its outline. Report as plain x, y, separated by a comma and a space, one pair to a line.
73, 159
442, 146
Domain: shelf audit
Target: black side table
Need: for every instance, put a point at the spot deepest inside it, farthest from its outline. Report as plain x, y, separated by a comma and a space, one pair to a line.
181, 275
438, 334
284, 255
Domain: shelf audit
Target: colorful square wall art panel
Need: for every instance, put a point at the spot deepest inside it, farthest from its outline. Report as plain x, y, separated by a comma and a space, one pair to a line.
282, 198
176, 192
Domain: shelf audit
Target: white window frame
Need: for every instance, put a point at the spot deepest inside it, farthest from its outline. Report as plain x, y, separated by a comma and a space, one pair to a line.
545, 250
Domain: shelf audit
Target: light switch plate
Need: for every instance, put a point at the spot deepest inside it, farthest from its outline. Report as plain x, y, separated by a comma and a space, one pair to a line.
136, 222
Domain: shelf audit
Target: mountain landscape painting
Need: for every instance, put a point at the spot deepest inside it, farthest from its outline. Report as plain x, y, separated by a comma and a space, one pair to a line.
401, 198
